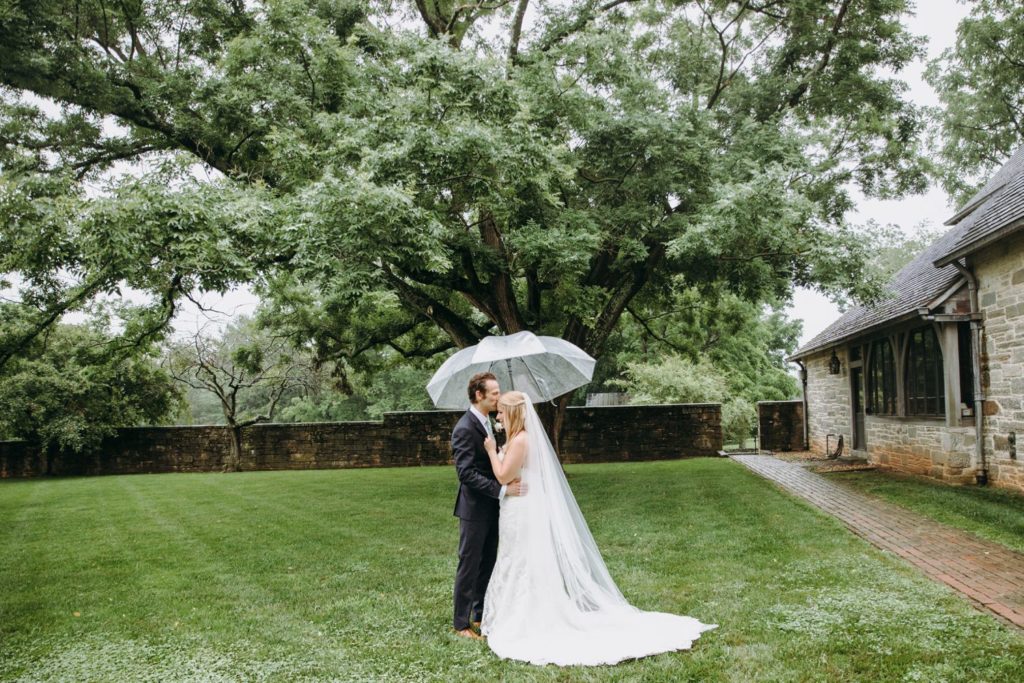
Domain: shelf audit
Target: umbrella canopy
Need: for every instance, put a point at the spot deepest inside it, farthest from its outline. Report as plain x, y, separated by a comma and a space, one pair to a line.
541, 367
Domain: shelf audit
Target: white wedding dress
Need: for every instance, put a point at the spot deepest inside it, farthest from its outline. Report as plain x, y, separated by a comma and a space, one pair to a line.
551, 599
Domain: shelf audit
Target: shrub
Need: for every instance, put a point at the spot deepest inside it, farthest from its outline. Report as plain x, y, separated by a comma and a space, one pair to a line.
674, 380
739, 419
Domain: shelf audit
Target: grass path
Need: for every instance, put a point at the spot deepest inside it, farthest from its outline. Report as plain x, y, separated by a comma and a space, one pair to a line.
347, 575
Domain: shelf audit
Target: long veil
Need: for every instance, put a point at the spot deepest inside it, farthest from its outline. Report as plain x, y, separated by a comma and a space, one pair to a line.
551, 599
565, 557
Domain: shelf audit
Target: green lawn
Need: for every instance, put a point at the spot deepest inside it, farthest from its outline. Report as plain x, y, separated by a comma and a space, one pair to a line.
988, 512
347, 575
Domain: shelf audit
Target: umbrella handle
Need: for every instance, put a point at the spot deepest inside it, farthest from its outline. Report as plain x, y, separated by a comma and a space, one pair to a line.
511, 379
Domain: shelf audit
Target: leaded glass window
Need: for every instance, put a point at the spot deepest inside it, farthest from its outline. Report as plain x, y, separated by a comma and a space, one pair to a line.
882, 379
925, 387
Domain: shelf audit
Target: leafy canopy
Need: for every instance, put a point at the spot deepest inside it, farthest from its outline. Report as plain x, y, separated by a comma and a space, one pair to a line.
980, 82
415, 176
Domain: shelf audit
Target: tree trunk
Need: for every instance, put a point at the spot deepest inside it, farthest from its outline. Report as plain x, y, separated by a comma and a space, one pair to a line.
553, 417
233, 463
558, 423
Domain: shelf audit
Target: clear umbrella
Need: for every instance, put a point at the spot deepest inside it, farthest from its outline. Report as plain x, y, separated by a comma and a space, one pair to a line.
541, 367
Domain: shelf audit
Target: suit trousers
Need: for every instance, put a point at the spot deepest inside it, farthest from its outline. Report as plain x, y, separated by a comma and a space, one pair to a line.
478, 549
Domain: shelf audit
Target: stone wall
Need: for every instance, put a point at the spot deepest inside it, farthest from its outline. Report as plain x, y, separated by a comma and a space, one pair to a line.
924, 447
137, 450
617, 433
780, 425
605, 434
1000, 273
828, 400
911, 445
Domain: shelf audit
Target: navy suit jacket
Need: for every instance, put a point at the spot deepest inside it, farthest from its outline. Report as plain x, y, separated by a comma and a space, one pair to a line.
478, 487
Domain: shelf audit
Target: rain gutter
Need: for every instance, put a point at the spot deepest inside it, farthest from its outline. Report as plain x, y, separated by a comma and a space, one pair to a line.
979, 397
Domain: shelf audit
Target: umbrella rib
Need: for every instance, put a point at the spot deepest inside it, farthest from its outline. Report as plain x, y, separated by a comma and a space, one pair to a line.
539, 381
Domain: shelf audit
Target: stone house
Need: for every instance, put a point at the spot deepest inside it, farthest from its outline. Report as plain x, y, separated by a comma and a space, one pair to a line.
930, 380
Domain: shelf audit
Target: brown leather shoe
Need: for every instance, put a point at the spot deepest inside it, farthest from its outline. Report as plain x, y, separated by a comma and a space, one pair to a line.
469, 633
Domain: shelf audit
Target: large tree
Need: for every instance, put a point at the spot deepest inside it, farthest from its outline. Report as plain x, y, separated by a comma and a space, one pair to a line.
75, 385
420, 175
980, 82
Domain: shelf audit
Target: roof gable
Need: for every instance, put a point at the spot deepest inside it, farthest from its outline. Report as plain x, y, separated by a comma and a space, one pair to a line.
1002, 212
1013, 167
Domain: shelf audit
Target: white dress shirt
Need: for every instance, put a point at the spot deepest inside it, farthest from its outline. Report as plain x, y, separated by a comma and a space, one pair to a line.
485, 421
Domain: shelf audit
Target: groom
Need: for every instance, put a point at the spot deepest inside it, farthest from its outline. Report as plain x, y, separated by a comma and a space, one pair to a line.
477, 503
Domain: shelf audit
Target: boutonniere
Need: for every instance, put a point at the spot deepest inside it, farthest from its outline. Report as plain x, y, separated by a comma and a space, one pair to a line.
497, 427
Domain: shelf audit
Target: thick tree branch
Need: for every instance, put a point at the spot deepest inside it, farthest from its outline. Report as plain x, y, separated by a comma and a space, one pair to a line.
83, 166
763, 255
724, 80
168, 305
585, 16
805, 83
470, 9
385, 336
10, 348
137, 48
647, 328
463, 332
436, 24
500, 290
615, 180
450, 280
628, 286
421, 352
723, 46
517, 31
533, 297
766, 8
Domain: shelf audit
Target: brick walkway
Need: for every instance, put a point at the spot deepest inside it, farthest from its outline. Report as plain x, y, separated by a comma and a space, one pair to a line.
989, 574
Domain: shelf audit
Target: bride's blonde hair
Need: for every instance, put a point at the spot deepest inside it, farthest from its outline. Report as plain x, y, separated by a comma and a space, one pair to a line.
513, 404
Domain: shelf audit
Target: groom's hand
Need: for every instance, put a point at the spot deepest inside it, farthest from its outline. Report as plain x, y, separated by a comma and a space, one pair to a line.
516, 487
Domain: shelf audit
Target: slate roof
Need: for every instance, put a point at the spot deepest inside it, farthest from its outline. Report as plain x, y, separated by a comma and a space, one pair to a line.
914, 286
1009, 170
1000, 209
996, 210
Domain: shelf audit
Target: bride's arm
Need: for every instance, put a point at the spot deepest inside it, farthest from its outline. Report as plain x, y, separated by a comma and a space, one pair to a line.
515, 452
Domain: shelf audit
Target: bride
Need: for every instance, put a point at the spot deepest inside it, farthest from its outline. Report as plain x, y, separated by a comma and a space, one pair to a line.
550, 599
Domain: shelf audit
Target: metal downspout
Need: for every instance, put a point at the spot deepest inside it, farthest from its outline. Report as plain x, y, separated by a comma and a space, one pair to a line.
803, 393
979, 398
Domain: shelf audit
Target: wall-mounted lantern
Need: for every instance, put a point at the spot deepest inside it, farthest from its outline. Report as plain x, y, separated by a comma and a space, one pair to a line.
833, 364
